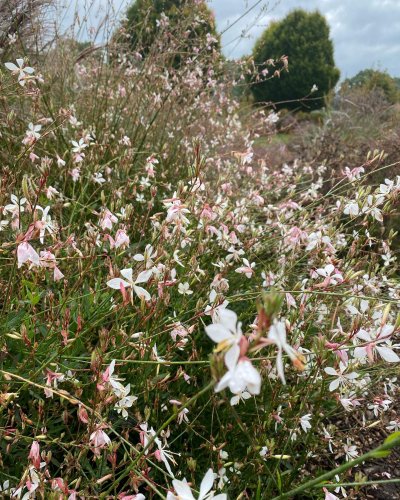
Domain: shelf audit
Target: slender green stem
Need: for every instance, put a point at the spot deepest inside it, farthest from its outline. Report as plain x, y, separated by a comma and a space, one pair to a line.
319, 481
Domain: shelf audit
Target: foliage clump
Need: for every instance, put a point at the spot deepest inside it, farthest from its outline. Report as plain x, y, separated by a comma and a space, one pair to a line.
374, 80
303, 37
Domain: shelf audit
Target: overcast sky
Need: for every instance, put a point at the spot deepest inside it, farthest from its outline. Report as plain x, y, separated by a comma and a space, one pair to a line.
366, 33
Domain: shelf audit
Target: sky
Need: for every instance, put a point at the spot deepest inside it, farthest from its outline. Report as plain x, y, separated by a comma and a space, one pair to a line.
365, 33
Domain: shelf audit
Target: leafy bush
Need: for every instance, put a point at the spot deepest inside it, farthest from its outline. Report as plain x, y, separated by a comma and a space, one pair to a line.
187, 20
304, 38
374, 80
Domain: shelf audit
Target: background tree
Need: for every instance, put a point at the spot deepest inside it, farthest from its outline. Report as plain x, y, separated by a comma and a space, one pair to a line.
190, 20
304, 38
374, 80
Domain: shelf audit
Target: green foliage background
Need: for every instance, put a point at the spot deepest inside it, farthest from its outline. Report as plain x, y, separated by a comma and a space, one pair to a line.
371, 79
142, 18
304, 38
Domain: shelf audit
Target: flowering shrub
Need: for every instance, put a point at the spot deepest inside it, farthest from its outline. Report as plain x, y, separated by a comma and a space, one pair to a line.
179, 320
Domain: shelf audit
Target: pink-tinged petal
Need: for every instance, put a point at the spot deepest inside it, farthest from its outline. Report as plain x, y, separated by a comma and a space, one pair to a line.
142, 293
25, 253
144, 276
218, 332
387, 354
138, 257
57, 275
116, 283
127, 274
206, 484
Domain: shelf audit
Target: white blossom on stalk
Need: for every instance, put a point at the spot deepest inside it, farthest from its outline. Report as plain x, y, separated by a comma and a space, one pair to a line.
21, 70
352, 209
184, 289
26, 253
350, 451
16, 206
247, 269
128, 282
184, 491
332, 276
241, 374
341, 377
99, 440
78, 147
147, 256
240, 397
305, 422
32, 134
45, 224
373, 342
214, 309
226, 331
124, 403
277, 335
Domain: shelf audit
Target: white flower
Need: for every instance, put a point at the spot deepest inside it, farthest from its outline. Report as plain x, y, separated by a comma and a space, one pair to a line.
241, 374
21, 70
352, 209
98, 178
277, 335
247, 269
78, 147
16, 206
26, 253
240, 397
184, 289
331, 276
373, 343
143, 277
305, 422
45, 224
146, 257
184, 492
350, 451
124, 403
341, 377
226, 332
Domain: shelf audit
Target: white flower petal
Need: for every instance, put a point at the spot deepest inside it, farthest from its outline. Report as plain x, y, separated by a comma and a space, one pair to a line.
206, 484
142, 293
127, 274
115, 283
387, 354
